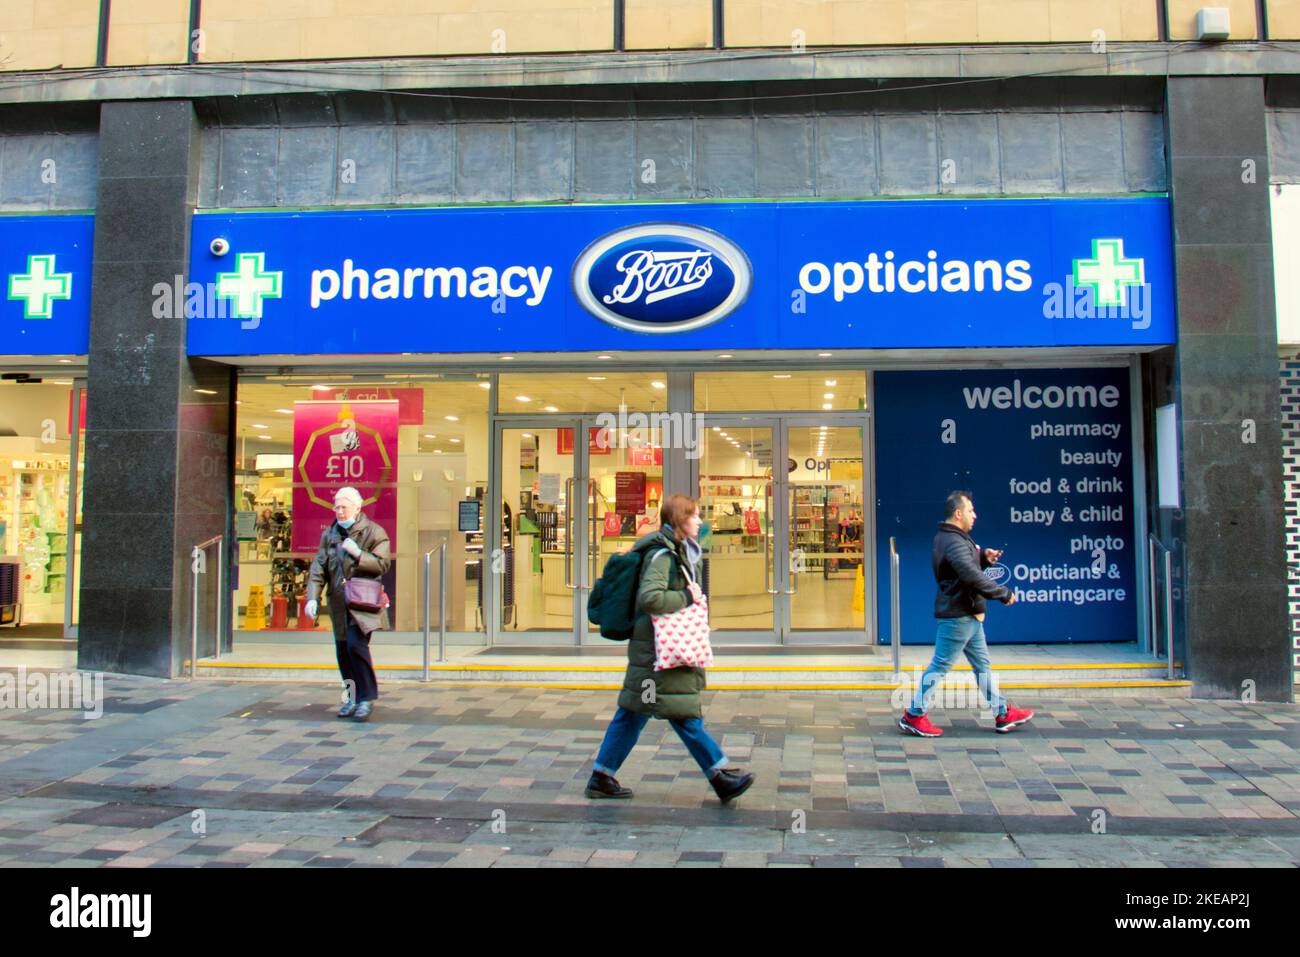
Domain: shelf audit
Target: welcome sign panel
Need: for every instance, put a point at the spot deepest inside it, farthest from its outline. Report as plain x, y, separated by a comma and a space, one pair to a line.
1047, 455
888, 274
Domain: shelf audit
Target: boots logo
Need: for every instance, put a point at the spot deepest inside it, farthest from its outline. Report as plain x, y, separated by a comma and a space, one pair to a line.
661, 277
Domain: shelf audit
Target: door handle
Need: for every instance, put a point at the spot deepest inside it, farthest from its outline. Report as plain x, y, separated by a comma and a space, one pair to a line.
768, 558
593, 545
568, 538
793, 524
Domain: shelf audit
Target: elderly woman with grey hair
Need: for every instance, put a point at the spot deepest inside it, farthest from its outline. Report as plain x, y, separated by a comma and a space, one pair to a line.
351, 546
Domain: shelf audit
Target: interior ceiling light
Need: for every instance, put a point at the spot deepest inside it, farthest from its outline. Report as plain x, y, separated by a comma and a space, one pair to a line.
285, 411
452, 418
430, 435
726, 355
455, 440
523, 398
485, 385
826, 405
507, 358
831, 381
596, 378
552, 408
828, 395
657, 385
823, 355
782, 375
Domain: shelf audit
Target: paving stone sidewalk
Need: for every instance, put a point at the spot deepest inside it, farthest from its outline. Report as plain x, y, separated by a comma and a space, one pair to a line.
251, 774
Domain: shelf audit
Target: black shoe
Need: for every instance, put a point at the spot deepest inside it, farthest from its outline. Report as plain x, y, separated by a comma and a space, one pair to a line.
601, 785
363, 711
731, 783
349, 706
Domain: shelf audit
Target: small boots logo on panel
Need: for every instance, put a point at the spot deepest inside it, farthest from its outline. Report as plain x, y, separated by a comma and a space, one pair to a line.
662, 277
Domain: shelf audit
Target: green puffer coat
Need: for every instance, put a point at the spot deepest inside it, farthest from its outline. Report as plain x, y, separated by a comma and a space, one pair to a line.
662, 590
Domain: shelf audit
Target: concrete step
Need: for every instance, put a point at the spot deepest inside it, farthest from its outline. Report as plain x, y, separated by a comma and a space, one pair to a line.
1090, 678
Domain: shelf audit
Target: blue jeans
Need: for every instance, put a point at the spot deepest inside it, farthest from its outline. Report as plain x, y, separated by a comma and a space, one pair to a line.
953, 636
626, 726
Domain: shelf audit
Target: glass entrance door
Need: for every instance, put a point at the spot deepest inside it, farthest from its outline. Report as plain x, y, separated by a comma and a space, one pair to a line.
785, 545
572, 493
538, 532
825, 587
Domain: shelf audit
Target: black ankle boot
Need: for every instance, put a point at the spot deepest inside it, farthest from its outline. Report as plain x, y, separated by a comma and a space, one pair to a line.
730, 783
601, 785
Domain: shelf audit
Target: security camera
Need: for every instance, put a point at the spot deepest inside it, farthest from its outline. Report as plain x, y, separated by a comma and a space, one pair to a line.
219, 246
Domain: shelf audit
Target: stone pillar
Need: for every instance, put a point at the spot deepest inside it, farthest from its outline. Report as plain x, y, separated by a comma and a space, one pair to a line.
157, 479
1234, 586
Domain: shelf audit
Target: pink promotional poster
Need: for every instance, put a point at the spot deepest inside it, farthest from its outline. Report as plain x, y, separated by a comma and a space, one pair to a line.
336, 444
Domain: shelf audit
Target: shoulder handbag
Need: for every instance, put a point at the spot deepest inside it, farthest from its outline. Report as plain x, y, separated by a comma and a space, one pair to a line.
682, 637
364, 594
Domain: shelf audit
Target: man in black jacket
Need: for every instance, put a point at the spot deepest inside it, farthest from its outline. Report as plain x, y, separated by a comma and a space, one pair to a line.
960, 606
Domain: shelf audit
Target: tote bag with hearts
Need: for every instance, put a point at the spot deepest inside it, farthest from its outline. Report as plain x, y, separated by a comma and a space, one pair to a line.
682, 637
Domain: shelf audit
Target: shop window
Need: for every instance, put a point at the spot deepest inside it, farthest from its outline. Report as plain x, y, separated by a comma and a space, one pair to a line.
416, 447
38, 558
544, 393
780, 391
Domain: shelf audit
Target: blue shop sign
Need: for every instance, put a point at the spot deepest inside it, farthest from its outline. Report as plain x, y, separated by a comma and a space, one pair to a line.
1047, 455
787, 275
45, 263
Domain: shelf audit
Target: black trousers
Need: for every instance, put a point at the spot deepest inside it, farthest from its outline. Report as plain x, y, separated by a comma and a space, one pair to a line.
355, 664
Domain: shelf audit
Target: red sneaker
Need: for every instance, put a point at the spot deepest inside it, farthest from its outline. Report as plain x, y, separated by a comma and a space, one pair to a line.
1014, 718
919, 726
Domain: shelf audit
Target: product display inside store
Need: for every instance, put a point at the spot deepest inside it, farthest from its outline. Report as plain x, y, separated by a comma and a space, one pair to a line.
416, 449
36, 485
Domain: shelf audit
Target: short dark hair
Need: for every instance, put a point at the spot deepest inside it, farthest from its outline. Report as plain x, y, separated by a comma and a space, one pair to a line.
953, 502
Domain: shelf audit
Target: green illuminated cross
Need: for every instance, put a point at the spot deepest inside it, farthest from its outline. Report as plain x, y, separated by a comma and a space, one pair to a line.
248, 285
1108, 272
39, 287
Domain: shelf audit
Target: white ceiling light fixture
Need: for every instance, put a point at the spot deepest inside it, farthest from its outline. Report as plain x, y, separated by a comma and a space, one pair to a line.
596, 378
831, 381
726, 355
485, 385
523, 398
782, 375
452, 418
551, 408
656, 384
285, 411
828, 405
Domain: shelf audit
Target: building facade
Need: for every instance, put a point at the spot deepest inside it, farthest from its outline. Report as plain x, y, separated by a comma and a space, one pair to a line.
519, 273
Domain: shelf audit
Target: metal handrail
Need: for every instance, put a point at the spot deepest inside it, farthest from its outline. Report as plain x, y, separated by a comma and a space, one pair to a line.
895, 603
769, 560
194, 595
1152, 544
442, 606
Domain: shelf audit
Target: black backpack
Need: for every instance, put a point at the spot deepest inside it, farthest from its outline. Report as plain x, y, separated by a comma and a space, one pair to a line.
612, 604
